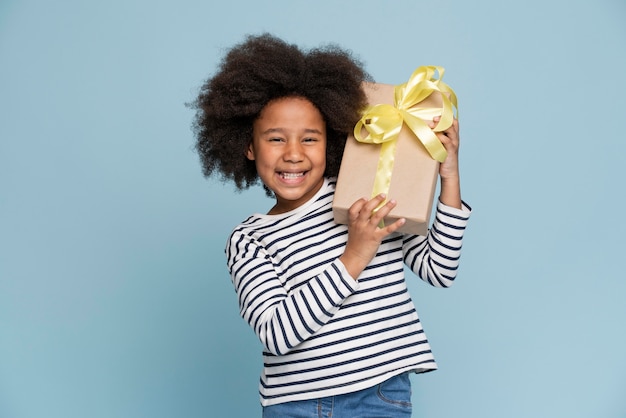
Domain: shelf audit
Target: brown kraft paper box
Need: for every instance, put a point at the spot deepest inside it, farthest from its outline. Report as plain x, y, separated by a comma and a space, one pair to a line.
414, 176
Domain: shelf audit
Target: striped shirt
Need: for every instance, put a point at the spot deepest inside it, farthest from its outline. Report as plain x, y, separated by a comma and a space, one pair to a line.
323, 332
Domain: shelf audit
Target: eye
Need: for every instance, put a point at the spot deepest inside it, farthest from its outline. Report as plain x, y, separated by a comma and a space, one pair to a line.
275, 139
310, 140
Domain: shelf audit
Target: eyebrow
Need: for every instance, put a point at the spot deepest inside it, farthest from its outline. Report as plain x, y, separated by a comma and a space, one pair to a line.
282, 130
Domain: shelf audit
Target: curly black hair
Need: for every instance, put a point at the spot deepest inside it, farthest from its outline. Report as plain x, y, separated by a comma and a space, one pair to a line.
264, 68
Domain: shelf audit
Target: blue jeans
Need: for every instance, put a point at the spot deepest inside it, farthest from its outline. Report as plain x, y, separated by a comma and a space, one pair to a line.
391, 399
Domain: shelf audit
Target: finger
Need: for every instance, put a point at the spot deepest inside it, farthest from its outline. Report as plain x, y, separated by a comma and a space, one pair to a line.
453, 130
451, 145
448, 140
433, 124
373, 205
449, 137
455, 124
382, 211
356, 209
391, 228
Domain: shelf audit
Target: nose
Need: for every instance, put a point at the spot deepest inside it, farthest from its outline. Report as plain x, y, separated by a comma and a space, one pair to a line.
294, 152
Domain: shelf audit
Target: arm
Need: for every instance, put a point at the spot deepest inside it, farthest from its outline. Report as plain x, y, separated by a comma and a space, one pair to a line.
449, 169
435, 258
283, 320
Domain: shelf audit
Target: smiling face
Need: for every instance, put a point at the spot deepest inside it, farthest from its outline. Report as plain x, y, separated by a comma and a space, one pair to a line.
289, 150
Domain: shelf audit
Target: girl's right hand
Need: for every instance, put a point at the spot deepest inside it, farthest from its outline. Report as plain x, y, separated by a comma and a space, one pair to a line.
364, 233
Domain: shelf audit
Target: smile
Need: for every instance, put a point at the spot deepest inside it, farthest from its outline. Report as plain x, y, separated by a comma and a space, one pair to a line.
290, 176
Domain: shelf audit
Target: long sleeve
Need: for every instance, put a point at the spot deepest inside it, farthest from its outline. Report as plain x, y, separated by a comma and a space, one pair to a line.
435, 258
325, 333
283, 319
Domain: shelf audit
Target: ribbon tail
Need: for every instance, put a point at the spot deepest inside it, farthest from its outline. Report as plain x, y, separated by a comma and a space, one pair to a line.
433, 146
382, 181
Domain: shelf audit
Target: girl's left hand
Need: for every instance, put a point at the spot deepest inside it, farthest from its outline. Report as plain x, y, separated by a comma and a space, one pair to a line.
449, 169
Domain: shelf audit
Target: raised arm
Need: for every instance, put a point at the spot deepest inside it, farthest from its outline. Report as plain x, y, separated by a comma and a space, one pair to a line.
435, 258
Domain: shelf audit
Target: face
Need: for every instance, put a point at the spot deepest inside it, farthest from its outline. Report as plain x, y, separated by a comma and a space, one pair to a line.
289, 150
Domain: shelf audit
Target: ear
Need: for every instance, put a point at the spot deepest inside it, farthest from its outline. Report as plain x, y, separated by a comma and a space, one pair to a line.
250, 152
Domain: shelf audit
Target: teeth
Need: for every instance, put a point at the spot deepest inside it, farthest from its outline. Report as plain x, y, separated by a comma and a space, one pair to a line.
292, 175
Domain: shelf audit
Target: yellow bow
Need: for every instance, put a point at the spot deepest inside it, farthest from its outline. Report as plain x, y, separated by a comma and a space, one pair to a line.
383, 122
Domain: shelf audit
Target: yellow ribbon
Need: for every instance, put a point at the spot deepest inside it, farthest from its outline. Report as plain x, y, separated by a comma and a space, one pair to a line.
383, 122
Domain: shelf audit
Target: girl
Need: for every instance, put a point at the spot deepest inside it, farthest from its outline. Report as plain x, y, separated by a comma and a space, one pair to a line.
328, 302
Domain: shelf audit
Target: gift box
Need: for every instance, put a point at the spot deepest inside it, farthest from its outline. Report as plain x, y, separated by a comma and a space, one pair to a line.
394, 151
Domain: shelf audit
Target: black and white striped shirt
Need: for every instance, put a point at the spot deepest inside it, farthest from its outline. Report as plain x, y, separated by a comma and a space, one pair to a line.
325, 333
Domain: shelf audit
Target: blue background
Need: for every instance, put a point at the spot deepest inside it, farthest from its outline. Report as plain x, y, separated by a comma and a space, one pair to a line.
114, 296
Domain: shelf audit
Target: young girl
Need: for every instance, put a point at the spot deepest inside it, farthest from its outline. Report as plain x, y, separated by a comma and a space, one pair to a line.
329, 302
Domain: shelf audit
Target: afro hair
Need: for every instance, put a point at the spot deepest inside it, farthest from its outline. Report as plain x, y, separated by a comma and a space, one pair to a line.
264, 68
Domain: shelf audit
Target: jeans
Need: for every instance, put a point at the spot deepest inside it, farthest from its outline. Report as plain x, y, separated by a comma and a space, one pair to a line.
389, 399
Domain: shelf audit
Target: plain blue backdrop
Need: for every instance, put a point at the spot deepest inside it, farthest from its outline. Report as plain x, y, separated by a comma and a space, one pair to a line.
114, 296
